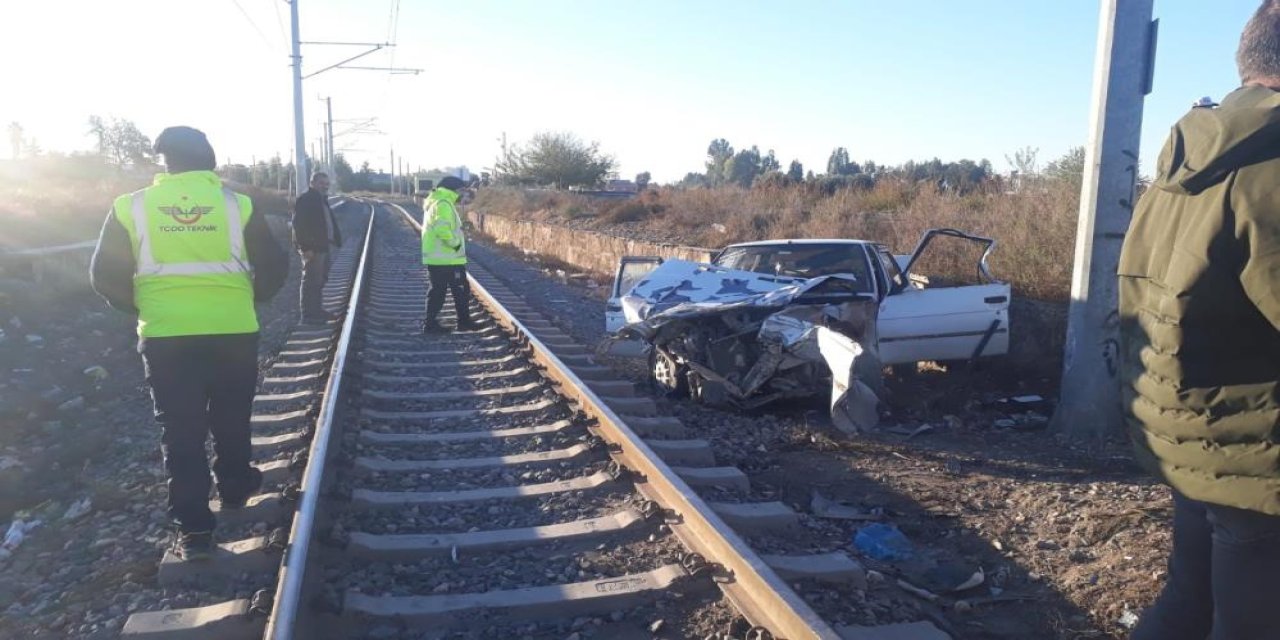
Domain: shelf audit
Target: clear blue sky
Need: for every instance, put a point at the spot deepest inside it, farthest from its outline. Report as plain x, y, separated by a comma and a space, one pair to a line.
653, 82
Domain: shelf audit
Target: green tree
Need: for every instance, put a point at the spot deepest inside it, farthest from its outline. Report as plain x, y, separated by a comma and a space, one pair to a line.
743, 167
642, 180
343, 173
769, 163
692, 180
1069, 168
719, 153
556, 159
796, 171
838, 163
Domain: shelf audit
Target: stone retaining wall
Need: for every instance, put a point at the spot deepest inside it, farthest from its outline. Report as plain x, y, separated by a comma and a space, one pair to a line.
593, 252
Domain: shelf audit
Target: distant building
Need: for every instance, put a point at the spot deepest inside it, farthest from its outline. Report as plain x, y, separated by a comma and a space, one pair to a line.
621, 186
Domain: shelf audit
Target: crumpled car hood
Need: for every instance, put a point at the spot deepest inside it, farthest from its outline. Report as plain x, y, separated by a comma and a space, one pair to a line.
680, 289
696, 311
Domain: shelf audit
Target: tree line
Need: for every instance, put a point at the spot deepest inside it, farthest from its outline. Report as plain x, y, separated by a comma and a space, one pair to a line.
749, 168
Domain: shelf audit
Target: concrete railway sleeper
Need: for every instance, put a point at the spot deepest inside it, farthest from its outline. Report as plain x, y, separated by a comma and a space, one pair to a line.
490, 483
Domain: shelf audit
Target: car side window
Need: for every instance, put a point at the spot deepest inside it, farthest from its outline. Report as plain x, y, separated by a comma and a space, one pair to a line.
897, 282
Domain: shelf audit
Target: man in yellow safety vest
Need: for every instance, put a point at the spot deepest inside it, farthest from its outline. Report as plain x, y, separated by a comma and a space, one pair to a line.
444, 252
190, 257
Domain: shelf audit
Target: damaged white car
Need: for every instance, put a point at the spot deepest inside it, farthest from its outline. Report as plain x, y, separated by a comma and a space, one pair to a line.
789, 318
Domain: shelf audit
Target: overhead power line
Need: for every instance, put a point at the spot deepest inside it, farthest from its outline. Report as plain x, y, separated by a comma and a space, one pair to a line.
253, 24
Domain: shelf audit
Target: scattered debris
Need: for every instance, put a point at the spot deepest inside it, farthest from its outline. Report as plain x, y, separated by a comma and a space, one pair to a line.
97, 372
16, 534
1128, 619
74, 404
911, 433
951, 577
883, 542
827, 508
657, 625
917, 591
34, 339
78, 509
7, 462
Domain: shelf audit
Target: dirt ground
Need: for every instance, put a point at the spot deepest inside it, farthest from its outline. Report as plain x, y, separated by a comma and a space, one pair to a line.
79, 452
1071, 536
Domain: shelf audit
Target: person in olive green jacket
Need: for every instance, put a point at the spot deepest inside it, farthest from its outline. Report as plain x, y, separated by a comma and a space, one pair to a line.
1200, 352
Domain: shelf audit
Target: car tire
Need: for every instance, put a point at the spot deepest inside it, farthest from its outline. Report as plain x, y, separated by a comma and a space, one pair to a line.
667, 376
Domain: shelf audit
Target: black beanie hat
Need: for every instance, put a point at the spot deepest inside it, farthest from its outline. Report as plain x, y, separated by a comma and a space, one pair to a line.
452, 183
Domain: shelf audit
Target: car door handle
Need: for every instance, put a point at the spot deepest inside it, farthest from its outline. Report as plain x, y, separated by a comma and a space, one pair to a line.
996, 299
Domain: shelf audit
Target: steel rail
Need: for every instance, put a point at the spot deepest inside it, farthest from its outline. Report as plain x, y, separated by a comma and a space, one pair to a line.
288, 597
755, 589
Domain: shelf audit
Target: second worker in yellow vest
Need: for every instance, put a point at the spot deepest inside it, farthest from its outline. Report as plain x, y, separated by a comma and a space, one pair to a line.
444, 252
189, 257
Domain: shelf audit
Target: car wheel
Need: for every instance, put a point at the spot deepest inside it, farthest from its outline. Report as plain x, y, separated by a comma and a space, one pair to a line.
667, 375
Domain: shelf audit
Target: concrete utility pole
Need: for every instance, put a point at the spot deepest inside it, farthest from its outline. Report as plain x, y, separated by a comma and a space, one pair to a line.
328, 132
392, 170
1090, 402
299, 136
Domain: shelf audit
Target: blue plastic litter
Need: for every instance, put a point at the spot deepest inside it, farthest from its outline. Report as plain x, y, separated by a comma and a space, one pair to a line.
883, 542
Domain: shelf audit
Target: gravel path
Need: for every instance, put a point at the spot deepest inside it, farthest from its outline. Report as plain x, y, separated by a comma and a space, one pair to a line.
80, 575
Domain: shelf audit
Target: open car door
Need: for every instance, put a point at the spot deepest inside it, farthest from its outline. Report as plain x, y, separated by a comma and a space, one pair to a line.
631, 270
918, 322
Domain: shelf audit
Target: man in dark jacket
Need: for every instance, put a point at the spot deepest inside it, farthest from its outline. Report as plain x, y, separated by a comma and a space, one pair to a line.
315, 230
189, 257
1200, 350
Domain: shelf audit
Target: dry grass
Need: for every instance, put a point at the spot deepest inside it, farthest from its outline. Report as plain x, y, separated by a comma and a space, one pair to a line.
1034, 230
55, 200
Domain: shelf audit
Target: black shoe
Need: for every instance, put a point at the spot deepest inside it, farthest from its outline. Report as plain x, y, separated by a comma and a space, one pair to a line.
431, 326
255, 485
193, 546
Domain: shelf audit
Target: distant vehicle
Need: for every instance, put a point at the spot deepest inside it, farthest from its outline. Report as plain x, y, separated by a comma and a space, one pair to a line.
621, 186
915, 322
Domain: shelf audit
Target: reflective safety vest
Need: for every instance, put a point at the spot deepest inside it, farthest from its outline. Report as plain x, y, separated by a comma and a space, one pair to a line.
192, 275
442, 240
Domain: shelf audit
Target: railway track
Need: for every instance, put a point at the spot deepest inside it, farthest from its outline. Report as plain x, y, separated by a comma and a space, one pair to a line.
486, 484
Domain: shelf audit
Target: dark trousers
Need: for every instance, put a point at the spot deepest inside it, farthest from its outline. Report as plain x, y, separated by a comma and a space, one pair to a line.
1224, 576
451, 279
315, 271
202, 385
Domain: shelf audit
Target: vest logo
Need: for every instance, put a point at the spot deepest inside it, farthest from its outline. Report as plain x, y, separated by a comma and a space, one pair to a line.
185, 216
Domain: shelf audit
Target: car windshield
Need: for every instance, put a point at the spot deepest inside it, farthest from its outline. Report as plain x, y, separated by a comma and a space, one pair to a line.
801, 261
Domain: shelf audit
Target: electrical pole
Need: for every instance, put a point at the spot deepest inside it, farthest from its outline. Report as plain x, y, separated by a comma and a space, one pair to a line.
393, 171
299, 138
328, 107
1090, 401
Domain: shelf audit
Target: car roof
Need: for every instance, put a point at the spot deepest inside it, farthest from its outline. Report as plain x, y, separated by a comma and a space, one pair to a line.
799, 241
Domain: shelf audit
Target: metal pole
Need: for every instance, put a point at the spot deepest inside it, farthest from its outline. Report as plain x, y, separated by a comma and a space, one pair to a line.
393, 171
299, 138
328, 106
1090, 402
